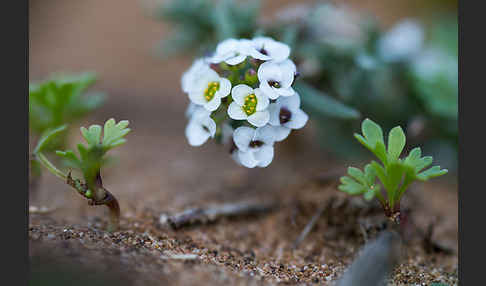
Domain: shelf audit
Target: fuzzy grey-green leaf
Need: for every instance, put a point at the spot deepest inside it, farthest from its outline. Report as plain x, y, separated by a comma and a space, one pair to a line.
324, 104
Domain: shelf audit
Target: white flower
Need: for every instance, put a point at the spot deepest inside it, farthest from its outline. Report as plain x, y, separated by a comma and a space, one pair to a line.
264, 48
276, 78
403, 41
249, 104
255, 146
197, 69
200, 127
285, 114
230, 51
208, 89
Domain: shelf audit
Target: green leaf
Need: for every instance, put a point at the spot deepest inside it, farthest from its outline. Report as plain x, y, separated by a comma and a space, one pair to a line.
370, 174
70, 158
396, 142
422, 163
322, 103
372, 132
357, 174
350, 186
83, 151
360, 183
380, 173
413, 156
92, 135
396, 174
369, 195
431, 173
59, 100
113, 133
373, 139
47, 137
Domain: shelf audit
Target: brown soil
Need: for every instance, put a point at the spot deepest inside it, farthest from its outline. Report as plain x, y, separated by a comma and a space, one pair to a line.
157, 173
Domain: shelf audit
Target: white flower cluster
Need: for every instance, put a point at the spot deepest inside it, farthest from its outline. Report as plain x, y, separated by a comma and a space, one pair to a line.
244, 92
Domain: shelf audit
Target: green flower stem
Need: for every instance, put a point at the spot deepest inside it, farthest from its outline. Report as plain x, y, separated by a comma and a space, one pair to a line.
49, 166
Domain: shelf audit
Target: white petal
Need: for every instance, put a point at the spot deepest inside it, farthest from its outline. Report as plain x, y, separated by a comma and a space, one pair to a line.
264, 156
225, 50
239, 58
281, 133
262, 100
209, 124
285, 91
227, 46
266, 134
297, 120
197, 97
190, 109
257, 55
210, 75
243, 136
260, 41
277, 50
200, 113
224, 87
259, 118
274, 110
213, 104
268, 90
291, 102
247, 159
288, 65
269, 71
288, 70
195, 134
236, 112
252, 48
216, 59
198, 68
239, 93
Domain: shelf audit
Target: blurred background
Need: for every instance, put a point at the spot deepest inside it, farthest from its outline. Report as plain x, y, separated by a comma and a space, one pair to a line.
139, 49
392, 61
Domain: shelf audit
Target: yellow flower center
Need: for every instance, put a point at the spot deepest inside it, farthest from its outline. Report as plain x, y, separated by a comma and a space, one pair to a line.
212, 88
250, 104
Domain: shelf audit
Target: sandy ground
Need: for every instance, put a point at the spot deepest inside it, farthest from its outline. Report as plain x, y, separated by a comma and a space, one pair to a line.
157, 173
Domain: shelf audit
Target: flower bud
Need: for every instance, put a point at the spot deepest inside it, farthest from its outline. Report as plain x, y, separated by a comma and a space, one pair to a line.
251, 77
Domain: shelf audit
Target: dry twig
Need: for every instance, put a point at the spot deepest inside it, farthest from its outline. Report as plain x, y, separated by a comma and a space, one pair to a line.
211, 214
